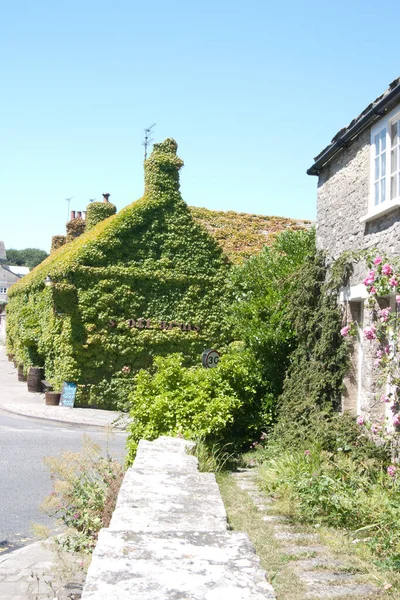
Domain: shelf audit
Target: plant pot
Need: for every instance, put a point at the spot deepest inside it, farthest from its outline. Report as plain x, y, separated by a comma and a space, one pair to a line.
10, 357
15, 364
53, 398
21, 376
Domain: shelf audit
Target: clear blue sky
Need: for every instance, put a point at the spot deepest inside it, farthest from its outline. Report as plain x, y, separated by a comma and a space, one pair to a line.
251, 91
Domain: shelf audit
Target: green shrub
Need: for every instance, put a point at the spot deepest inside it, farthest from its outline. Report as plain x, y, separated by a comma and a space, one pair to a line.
262, 315
224, 404
75, 228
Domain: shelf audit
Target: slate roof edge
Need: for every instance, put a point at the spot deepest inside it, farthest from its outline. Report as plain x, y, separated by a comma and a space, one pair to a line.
373, 112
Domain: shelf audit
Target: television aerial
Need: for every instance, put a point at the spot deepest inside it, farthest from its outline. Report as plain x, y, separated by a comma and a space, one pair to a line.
147, 138
69, 202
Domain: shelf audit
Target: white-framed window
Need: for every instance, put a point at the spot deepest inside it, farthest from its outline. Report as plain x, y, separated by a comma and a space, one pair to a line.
385, 165
3, 290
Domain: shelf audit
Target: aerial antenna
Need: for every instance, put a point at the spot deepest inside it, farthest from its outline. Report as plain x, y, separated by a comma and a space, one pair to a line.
92, 199
69, 202
147, 139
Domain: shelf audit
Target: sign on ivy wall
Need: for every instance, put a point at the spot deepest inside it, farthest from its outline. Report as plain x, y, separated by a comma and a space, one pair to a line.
164, 325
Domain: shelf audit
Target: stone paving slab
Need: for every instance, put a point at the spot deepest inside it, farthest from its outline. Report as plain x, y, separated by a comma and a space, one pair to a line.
176, 565
179, 501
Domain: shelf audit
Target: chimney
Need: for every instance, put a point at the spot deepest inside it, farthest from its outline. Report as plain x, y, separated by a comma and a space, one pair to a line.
84, 215
79, 214
106, 197
72, 214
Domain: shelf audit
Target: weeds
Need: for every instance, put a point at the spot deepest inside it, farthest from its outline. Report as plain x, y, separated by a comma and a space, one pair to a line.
85, 488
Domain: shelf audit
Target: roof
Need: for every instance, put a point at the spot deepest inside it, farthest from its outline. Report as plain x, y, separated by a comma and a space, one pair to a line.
20, 271
343, 138
242, 235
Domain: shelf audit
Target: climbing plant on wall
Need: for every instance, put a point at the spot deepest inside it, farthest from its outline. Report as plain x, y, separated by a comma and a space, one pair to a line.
147, 281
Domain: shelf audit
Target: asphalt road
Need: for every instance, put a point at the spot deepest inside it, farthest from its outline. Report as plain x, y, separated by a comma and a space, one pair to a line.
24, 480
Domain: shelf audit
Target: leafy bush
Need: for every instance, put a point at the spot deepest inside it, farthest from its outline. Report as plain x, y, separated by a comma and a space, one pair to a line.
86, 485
262, 315
223, 404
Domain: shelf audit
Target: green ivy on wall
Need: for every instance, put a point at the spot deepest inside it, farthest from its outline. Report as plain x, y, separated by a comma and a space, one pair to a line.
150, 261
98, 211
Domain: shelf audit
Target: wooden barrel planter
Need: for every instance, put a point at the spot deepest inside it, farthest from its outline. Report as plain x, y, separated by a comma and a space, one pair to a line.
52, 398
35, 376
21, 376
10, 357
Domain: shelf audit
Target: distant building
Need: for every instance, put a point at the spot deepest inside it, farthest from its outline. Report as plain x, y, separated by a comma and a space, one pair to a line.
8, 276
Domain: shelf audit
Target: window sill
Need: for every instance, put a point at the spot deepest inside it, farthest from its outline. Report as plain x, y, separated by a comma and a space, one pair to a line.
380, 210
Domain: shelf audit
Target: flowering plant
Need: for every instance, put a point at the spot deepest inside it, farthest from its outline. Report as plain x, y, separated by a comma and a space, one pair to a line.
382, 280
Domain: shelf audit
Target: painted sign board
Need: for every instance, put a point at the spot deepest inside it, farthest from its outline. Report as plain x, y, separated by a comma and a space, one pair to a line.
68, 394
210, 358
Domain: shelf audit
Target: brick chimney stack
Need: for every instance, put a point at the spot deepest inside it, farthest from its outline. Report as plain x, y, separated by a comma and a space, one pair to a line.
106, 197
72, 214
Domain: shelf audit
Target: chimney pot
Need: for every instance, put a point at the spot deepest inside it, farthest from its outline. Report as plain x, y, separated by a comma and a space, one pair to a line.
106, 197
72, 214
79, 214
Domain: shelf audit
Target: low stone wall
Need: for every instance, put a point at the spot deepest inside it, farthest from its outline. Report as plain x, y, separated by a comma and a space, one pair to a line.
168, 536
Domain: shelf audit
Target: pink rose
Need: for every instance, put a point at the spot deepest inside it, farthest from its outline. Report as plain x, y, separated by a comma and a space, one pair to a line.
393, 281
370, 278
396, 420
378, 260
345, 331
391, 471
370, 332
384, 314
387, 269
372, 290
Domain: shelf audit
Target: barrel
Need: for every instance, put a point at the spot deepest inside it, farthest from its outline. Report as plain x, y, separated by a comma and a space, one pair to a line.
21, 376
10, 357
52, 398
35, 376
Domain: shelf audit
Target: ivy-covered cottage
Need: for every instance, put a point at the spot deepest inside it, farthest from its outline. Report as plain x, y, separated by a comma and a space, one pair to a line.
146, 281
359, 209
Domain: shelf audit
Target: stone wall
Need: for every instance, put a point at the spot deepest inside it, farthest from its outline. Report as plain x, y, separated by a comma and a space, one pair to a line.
343, 191
168, 536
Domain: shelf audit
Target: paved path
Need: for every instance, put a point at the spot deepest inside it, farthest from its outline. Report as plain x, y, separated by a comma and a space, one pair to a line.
15, 398
324, 577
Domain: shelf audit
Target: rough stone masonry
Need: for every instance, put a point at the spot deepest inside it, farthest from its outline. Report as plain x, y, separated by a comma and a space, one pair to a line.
168, 537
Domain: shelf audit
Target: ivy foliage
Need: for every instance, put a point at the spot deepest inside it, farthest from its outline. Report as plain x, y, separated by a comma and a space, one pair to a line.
313, 385
150, 261
75, 228
98, 211
57, 241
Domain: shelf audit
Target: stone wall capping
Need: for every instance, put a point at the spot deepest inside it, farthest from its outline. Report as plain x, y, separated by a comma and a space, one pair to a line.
168, 536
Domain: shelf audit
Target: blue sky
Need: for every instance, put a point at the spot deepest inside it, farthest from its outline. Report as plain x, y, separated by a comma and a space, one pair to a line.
251, 91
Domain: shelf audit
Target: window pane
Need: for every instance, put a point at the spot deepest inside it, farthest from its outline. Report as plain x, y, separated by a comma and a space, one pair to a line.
383, 165
376, 169
383, 140
383, 189
376, 193
394, 160
393, 187
394, 133
377, 145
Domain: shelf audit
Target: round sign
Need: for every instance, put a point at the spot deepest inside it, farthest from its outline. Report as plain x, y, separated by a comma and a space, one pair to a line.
210, 358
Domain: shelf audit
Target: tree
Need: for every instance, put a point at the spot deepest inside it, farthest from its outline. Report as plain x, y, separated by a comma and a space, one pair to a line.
29, 257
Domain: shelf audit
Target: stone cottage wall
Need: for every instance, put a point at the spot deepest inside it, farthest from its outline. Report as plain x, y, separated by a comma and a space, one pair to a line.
343, 190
